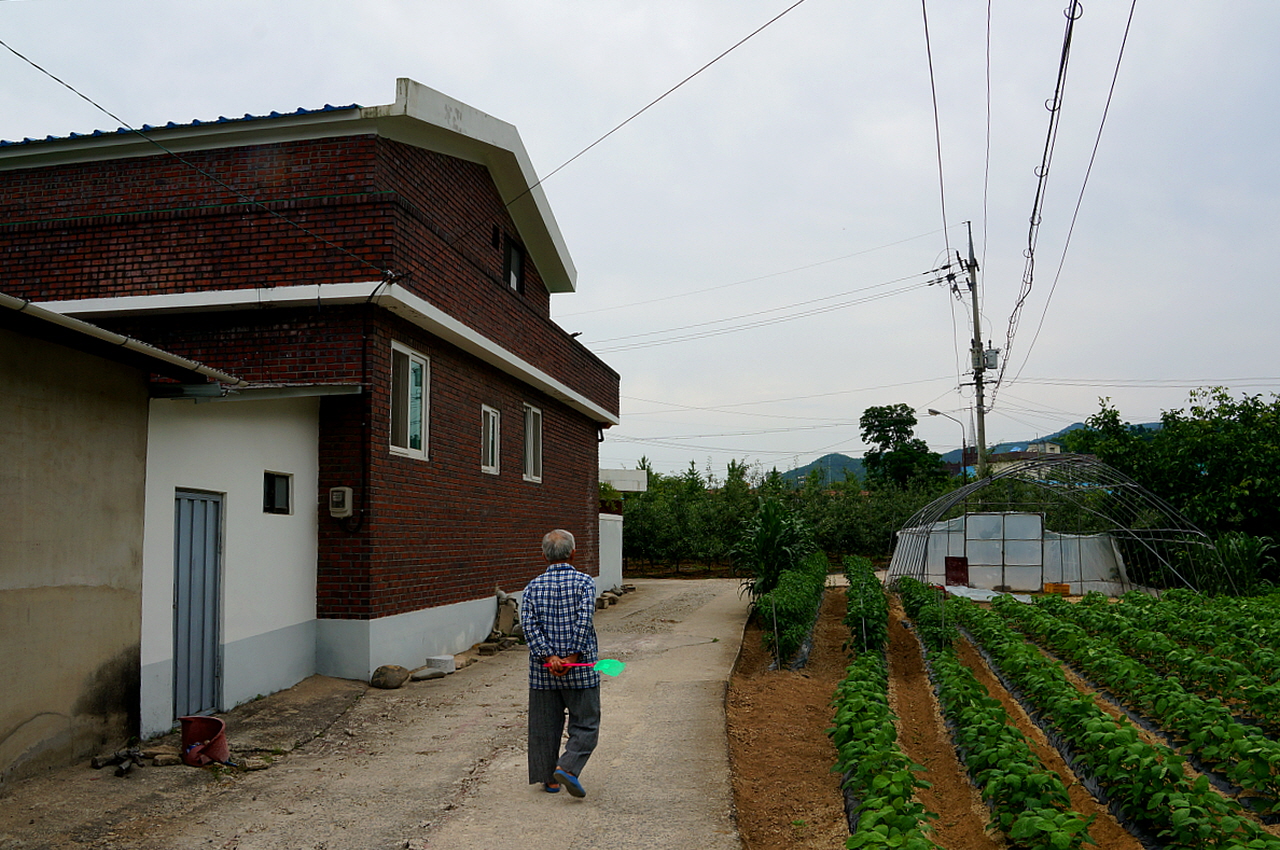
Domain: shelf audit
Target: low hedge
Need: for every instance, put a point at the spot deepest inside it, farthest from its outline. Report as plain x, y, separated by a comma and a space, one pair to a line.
867, 606
787, 613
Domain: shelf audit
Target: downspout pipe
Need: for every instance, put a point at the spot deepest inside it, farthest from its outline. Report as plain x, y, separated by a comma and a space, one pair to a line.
21, 305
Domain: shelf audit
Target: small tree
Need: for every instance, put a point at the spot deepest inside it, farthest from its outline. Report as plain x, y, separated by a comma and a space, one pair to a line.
774, 541
899, 457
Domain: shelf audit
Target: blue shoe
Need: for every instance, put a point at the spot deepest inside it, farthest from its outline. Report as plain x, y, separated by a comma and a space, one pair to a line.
571, 782
547, 787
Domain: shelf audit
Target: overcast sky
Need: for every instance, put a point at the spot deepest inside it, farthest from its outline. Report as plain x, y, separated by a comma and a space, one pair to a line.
754, 251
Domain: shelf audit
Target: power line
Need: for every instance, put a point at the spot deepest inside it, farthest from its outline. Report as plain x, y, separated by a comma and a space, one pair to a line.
1080, 198
710, 332
788, 399
792, 305
637, 114
1153, 383
750, 279
759, 432
937, 130
668, 444
1054, 106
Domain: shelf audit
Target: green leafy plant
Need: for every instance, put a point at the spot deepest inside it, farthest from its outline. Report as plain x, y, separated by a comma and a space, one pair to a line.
775, 540
1204, 728
877, 774
923, 605
1146, 782
789, 610
866, 606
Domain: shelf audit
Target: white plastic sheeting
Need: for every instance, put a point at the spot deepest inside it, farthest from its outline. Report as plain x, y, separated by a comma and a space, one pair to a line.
1011, 552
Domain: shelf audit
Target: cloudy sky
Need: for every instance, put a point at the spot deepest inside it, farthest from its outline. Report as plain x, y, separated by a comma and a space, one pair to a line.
754, 250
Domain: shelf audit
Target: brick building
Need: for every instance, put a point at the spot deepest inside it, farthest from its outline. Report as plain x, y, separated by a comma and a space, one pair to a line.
381, 276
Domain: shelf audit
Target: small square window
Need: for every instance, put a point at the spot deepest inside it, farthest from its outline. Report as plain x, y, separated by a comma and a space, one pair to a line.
490, 428
275, 493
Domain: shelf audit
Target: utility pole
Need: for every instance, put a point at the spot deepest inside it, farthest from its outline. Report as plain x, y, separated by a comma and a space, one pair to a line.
979, 356
982, 359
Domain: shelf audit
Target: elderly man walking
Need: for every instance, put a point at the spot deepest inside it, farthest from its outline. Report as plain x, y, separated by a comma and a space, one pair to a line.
557, 613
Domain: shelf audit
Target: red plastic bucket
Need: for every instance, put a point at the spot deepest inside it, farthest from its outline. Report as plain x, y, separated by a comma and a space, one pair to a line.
204, 741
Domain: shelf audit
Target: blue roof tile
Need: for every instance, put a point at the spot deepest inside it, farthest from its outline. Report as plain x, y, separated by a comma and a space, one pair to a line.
195, 122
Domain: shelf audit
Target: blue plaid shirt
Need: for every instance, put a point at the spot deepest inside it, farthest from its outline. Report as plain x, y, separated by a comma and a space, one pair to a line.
557, 613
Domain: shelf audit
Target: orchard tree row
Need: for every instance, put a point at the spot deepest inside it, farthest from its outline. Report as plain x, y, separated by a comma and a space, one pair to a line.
1217, 462
698, 517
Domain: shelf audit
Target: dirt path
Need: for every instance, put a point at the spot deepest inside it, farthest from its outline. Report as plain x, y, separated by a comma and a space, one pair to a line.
786, 796
441, 764
1106, 831
962, 816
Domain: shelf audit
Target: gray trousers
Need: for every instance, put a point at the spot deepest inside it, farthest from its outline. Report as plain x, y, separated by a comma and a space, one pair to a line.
547, 714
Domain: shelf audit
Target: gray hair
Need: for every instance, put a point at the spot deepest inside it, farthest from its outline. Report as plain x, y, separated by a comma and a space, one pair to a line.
557, 545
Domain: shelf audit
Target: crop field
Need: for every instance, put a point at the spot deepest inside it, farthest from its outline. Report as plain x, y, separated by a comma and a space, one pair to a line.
1059, 724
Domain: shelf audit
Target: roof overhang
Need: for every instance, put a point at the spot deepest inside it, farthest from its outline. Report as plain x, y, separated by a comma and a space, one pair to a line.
39, 322
421, 117
390, 297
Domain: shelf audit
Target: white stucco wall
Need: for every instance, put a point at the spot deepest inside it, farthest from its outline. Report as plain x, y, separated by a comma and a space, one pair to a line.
268, 616
610, 553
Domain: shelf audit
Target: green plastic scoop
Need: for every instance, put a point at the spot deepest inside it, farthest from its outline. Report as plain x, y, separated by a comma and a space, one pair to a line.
608, 666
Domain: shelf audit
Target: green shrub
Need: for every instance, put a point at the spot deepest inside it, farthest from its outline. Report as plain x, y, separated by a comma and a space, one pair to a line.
867, 607
1248, 564
788, 611
776, 540
924, 605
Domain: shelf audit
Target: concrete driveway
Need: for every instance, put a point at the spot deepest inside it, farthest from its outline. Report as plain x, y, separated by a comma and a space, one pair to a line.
441, 764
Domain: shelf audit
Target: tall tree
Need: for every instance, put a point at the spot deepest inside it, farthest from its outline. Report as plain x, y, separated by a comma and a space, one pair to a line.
1217, 462
899, 458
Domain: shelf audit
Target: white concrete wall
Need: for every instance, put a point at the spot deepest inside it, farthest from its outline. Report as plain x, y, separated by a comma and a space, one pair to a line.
353, 649
610, 553
268, 617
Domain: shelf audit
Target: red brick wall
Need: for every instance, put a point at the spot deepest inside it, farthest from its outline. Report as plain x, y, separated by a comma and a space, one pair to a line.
337, 210
155, 224
445, 530
434, 531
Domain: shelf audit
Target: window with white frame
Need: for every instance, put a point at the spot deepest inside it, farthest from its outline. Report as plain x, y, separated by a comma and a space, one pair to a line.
490, 422
532, 443
410, 384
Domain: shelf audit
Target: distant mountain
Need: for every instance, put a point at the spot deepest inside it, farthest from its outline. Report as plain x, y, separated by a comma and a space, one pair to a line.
834, 465
953, 456
833, 468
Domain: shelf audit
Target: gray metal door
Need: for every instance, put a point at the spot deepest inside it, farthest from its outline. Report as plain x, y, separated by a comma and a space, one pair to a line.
197, 549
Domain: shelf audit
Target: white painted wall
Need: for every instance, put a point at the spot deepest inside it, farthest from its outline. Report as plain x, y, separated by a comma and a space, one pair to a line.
610, 553
268, 617
353, 649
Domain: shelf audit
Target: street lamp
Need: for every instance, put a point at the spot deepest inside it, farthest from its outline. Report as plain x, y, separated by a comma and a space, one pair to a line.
964, 476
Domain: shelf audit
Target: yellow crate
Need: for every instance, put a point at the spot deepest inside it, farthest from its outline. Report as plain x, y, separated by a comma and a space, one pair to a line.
1060, 589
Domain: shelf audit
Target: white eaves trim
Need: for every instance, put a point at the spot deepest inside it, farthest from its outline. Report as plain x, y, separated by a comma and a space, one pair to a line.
388, 296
